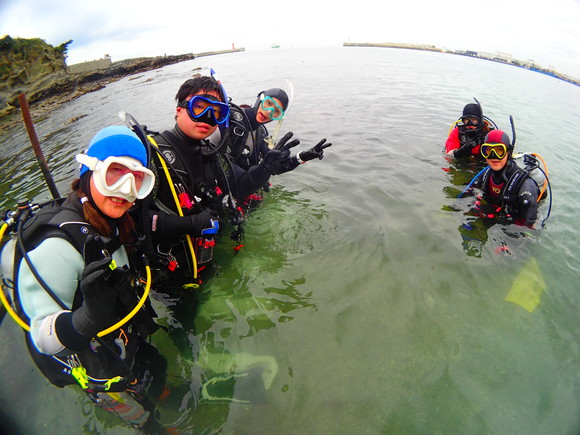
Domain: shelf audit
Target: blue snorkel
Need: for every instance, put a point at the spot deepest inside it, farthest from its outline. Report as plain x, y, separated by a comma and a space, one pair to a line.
473, 181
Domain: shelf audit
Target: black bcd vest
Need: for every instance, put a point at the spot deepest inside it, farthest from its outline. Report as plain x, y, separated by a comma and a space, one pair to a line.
55, 220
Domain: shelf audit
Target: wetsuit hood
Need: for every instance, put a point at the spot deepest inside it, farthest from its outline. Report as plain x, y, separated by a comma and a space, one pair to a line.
251, 114
277, 93
473, 109
500, 137
205, 147
504, 173
193, 144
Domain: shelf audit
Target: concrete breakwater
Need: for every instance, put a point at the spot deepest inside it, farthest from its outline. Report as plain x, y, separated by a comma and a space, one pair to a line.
495, 57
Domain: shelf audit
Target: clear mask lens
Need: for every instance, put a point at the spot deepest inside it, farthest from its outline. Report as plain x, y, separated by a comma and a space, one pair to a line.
470, 121
123, 177
498, 149
270, 105
198, 106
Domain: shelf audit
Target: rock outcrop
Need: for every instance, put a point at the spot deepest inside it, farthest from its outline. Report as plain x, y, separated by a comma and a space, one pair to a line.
39, 70
24, 62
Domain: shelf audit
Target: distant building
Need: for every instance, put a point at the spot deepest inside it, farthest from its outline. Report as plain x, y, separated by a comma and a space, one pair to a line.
507, 57
524, 63
91, 65
485, 55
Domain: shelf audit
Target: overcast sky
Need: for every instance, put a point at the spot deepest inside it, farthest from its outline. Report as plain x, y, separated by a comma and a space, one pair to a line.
545, 31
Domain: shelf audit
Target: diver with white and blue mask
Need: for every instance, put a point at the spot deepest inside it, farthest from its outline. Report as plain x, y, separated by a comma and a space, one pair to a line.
77, 274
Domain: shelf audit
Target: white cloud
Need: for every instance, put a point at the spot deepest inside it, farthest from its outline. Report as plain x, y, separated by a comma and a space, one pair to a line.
528, 29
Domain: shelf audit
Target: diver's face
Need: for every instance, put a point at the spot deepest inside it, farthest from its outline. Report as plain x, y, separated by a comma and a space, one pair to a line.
112, 206
193, 129
471, 122
497, 164
264, 115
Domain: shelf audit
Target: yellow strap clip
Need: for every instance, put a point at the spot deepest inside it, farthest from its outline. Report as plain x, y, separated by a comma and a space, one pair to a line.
190, 285
80, 374
112, 381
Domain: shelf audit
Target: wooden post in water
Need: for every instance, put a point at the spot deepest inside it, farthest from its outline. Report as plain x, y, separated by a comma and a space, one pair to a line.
36, 146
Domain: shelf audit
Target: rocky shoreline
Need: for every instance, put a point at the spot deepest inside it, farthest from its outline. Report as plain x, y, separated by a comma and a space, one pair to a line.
61, 87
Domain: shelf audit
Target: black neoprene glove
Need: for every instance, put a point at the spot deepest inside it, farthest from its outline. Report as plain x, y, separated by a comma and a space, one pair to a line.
316, 152
203, 220
169, 227
100, 286
276, 160
465, 149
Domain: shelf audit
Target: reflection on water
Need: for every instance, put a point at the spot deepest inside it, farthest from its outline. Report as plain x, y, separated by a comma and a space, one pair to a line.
359, 302
209, 372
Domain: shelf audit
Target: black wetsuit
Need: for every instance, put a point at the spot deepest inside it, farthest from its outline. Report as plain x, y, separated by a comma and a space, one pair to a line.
210, 178
247, 153
100, 358
211, 182
512, 191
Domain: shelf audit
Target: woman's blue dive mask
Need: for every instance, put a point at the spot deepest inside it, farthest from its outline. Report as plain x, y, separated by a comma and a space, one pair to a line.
201, 108
270, 105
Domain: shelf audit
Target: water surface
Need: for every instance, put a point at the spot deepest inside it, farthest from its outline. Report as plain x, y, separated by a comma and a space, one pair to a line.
357, 304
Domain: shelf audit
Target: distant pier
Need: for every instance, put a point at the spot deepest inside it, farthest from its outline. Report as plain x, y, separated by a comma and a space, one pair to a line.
212, 53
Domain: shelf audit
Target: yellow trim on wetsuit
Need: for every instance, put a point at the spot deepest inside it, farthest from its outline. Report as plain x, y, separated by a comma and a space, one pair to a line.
177, 205
104, 332
5, 302
452, 127
134, 310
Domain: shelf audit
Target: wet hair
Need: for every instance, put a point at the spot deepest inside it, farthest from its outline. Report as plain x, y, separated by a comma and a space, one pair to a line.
101, 223
198, 84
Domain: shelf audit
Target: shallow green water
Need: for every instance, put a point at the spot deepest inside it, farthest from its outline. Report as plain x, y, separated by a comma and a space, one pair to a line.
357, 304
